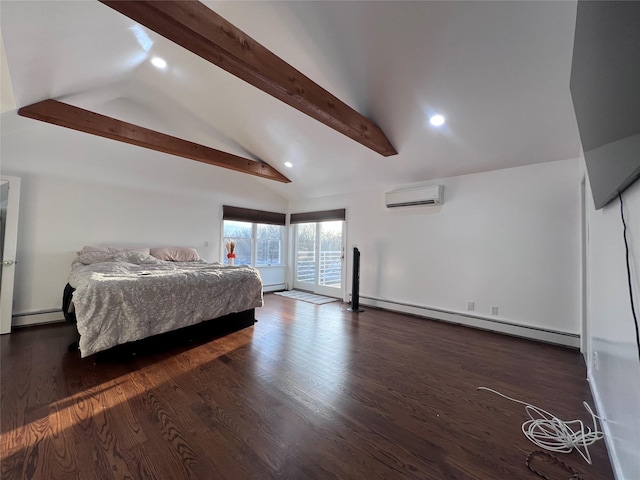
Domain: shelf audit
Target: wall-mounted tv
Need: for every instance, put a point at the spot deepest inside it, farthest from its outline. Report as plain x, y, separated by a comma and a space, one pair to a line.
605, 88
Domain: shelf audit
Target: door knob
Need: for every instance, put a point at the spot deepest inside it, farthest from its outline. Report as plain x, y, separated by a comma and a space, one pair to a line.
8, 262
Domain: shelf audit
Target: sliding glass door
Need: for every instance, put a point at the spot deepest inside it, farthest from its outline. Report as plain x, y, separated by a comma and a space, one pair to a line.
320, 257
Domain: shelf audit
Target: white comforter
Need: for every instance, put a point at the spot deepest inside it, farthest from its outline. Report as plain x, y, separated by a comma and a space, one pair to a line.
128, 298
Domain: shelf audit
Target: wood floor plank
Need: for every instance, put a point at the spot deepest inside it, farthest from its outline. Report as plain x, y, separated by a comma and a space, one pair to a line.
167, 420
309, 392
14, 400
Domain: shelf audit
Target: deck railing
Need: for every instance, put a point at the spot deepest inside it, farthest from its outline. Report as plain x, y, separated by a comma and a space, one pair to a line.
330, 267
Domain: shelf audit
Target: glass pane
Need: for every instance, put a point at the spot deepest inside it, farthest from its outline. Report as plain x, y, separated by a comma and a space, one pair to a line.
330, 267
239, 232
269, 244
233, 229
306, 264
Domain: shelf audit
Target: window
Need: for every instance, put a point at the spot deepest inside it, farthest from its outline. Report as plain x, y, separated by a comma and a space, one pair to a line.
269, 244
242, 234
259, 236
256, 243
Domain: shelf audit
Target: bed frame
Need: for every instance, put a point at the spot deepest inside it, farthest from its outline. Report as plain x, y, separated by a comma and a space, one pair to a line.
181, 339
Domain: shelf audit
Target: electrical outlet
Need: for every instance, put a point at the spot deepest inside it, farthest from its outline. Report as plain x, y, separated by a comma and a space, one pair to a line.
595, 360
494, 310
471, 306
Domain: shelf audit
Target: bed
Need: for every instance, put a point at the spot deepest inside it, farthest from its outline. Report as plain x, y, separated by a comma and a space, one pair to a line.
119, 296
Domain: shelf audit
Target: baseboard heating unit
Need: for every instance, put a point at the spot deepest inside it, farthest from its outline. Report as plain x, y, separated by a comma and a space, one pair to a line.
274, 287
475, 321
37, 318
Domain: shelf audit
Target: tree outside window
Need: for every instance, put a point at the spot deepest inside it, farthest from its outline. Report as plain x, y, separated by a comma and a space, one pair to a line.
269, 244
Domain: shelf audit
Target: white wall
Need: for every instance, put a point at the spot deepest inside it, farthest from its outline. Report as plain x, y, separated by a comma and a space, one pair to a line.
615, 375
78, 189
508, 238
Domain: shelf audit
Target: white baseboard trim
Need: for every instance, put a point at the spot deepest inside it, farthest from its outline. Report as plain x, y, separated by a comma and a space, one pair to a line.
274, 287
37, 318
608, 437
501, 326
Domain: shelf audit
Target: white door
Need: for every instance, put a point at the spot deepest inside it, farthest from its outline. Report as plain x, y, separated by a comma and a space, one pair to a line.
9, 202
320, 258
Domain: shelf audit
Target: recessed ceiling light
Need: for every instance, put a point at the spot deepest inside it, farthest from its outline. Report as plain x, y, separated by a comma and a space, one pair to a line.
437, 120
288, 164
159, 62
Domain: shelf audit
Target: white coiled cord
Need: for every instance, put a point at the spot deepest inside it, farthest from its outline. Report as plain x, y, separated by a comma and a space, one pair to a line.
549, 432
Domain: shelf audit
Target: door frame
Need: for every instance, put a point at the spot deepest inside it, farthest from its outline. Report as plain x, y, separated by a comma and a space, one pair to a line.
315, 287
585, 340
10, 244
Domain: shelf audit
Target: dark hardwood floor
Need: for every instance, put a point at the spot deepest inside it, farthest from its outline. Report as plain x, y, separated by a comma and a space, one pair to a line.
308, 392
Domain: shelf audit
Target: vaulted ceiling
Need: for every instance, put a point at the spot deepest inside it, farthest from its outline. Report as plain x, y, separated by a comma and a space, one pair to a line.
498, 71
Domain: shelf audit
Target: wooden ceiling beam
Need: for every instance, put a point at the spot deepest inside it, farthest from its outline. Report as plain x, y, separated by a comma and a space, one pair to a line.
69, 116
200, 30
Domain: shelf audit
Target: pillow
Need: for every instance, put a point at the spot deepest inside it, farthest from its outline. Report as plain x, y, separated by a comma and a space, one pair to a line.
133, 256
90, 248
128, 256
176, 254
93, 248
90, 257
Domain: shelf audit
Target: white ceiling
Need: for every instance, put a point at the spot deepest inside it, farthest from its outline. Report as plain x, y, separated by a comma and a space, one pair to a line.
499, 72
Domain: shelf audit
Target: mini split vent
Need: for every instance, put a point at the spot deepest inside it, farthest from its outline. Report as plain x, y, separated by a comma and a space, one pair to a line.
415, 196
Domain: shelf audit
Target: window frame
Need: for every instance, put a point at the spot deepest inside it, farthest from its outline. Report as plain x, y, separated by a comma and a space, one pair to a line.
255, 218
254, 244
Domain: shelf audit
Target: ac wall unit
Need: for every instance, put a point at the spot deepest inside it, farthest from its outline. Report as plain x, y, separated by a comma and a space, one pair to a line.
415, 196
